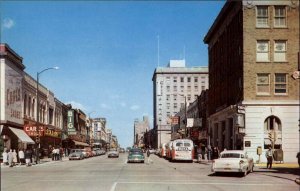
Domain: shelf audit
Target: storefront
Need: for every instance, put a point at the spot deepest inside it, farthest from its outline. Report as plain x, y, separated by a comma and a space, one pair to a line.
49, 137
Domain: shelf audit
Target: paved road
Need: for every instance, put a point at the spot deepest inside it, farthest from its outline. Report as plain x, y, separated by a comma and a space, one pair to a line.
104, 174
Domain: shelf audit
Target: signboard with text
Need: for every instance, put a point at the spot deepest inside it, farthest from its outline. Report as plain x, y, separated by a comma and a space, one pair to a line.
71, 128
13, 95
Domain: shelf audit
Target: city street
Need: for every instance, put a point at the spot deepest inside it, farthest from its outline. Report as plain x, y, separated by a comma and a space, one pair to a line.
114, 174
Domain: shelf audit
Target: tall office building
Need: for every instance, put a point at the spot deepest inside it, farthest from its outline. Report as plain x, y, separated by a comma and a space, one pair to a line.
174, 87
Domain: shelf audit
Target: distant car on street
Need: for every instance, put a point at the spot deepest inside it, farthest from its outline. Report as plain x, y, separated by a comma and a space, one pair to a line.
113, 153
78, 155
233, 161
136, 155
122, 150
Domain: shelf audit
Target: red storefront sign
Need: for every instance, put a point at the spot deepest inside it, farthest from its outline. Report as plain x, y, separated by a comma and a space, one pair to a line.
32, 130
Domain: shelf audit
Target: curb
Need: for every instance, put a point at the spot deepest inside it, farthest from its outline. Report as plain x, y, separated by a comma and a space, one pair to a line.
297, 180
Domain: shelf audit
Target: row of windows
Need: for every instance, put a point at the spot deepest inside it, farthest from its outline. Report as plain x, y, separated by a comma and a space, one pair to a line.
189, 88
264, 84
182, 79
263, 16
263, 51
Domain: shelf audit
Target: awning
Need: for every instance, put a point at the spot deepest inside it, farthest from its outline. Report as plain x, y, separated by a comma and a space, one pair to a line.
81, 143
22, 135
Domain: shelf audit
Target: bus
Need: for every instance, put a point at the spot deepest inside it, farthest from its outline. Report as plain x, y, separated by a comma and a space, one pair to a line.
162, 152
182, 149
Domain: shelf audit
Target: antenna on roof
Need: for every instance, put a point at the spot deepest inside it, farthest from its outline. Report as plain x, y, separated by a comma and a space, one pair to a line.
157, 50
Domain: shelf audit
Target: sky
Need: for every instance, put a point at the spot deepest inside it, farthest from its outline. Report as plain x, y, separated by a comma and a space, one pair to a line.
107, 51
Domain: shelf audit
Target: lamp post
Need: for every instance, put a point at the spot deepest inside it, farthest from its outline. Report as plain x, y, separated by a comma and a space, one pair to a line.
38, 111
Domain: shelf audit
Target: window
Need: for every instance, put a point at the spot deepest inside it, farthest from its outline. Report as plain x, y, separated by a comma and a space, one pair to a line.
168, 79
182, 88
175, 88
263, 84
272, 123
175, 105
196, 88
25, 105
280, 83
195, 79
202, 88
175, 97
189, 88
262, 51
182, 79
181, 105
189, 97
280, 51
168, 97
168, 88
280, 16
175, 79
262, 19
189, 79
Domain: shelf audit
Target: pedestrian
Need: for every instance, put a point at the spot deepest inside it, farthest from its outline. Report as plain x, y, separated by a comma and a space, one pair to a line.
148, 156
5, 157
53, 153
15, 157
215, 153
28, 155
10, 158
61, 153
21, 156
298, 156
269, 156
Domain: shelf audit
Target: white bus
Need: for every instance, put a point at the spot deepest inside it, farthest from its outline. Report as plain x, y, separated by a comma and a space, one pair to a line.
182, 149
162, 152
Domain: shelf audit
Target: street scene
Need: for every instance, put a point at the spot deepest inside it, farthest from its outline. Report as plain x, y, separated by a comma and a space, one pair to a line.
150, 95
115, 174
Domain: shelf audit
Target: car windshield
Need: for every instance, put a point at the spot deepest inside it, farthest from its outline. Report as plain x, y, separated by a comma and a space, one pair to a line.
230, 155
136, 151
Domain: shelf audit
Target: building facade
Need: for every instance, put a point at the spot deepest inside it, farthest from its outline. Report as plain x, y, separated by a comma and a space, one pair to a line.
174, 87
253, 99
140, 128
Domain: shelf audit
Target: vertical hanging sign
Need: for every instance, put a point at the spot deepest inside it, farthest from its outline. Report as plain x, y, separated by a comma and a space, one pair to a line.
71, 129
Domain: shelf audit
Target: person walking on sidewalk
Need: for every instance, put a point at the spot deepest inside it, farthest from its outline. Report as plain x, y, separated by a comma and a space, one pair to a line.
5, 157
269, 156
148, 156
21, 156
15, 157
10, 158
28, 155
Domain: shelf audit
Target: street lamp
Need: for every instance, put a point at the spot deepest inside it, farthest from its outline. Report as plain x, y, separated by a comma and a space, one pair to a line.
38, 112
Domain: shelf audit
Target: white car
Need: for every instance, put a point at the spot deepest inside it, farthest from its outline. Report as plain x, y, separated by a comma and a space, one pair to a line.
233, 161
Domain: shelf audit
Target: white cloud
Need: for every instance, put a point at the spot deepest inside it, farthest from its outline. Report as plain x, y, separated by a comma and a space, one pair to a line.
8, 23
135, 107
76, 105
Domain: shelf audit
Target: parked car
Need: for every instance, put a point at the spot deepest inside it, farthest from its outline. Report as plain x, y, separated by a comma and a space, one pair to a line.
113, 153
233, 161
76, 156
136, 155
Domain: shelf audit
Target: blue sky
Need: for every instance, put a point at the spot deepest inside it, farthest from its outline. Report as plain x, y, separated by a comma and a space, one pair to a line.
106, 51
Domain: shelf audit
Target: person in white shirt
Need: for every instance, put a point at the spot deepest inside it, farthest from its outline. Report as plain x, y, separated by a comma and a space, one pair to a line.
21, 156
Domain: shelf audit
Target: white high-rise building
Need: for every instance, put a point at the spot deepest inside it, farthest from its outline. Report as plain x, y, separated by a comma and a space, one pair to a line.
173, 86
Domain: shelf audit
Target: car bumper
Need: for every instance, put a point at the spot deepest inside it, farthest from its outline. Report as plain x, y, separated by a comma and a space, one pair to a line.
136, 160
227, 170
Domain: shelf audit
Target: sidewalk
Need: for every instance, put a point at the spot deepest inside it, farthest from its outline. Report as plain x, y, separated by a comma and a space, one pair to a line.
279, 165
42, 161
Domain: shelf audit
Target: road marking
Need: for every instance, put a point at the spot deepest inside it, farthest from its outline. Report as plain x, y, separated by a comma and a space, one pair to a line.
195, 183
114, 186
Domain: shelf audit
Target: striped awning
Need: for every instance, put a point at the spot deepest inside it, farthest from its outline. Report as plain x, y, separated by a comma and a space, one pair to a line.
81, 143
22, 135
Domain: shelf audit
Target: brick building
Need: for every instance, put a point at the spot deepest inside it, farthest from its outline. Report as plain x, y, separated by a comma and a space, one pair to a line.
253, 52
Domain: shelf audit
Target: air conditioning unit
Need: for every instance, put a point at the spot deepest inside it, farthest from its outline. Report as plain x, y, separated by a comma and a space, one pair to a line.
239, 120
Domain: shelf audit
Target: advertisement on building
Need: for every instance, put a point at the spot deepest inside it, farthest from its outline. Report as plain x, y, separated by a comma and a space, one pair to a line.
71, 128
13, 96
